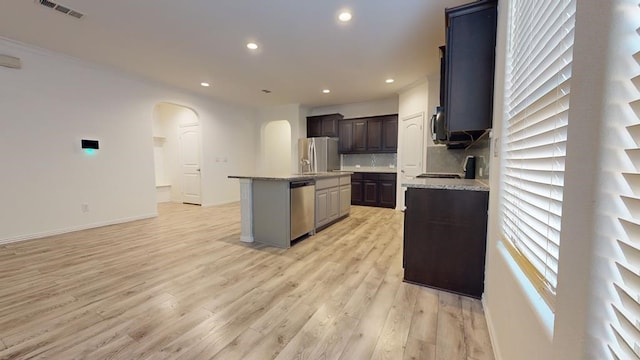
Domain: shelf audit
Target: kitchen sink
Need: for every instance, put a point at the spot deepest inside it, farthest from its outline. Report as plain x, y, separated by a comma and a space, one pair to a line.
439, 176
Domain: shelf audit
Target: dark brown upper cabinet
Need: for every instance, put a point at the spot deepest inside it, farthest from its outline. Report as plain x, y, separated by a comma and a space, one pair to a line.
374, 134
390, 133
345, 136
359, 135
469, 61
323, 125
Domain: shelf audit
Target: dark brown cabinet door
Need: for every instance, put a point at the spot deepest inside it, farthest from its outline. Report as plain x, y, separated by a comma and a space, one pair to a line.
445, 239
314, 127
356, 189
356, 192
330, 126
359, 135
345, 138
469, 66
374, 135
387, 196
390, 134
370, 193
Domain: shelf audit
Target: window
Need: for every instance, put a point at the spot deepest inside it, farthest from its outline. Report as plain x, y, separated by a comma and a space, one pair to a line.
537, 88
626, 307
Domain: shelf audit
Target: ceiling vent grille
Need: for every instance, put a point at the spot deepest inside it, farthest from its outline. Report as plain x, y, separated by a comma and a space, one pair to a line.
63, 9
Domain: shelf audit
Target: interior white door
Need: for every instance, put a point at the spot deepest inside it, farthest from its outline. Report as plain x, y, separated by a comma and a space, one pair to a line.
190, 163
412, 146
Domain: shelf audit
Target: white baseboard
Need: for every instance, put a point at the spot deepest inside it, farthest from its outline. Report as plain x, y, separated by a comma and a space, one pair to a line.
75, 228
219, 203
492, 335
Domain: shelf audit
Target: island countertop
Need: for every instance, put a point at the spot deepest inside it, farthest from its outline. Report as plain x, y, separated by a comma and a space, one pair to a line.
292, 177
449, 184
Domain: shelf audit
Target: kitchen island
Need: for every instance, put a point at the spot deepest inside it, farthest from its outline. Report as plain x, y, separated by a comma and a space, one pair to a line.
277, 208
445, 229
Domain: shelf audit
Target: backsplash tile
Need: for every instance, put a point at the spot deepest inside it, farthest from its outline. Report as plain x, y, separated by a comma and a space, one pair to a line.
369, 160
441, 159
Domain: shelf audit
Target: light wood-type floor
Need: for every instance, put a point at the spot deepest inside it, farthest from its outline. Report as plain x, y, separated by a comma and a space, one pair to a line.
182, 286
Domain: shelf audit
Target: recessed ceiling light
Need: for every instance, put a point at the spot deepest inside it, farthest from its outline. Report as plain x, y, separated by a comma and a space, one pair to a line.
252, 46
344, 16
205, 84
389, 81
326, 91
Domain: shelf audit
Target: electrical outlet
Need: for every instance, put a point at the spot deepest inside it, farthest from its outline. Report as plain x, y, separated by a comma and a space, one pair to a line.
84, 207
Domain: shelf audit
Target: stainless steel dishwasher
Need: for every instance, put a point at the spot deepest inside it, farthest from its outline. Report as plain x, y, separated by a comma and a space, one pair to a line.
303, 203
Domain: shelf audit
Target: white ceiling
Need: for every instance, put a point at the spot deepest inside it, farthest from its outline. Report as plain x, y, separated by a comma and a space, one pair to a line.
303, 47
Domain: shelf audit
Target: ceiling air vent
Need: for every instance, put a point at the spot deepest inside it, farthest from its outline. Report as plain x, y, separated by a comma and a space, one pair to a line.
75, 14
47, 3
60, 8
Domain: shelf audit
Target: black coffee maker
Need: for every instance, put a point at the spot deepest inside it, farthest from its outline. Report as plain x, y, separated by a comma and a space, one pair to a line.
469, 167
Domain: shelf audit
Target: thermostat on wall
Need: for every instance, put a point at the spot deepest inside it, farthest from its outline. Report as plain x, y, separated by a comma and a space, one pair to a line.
90, 144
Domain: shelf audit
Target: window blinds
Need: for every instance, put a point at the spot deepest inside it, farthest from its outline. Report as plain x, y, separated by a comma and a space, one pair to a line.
538, 83
627, 309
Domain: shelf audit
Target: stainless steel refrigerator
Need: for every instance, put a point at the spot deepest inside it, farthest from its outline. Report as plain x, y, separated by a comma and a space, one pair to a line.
318, 154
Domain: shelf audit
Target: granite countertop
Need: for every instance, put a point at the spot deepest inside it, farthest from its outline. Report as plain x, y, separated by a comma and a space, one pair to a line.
292, 177
449, 184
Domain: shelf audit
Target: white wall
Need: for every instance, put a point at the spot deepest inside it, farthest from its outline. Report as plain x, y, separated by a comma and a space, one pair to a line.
228, 132
361, 109
413, 100
54, 101
520, 325
276, 147
295, 116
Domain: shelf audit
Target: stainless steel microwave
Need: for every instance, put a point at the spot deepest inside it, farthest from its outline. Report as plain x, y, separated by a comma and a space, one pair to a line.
438, 126
453, 139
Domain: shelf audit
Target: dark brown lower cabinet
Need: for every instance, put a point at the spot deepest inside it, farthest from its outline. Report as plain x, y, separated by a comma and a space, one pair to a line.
387, 191
370, 192
445, 239
356, 190
373, 189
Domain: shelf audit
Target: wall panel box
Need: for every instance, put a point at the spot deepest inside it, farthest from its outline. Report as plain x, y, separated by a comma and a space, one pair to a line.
90, 144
